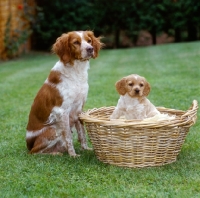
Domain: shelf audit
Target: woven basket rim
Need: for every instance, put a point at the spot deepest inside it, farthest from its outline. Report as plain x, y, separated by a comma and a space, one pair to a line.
183, 118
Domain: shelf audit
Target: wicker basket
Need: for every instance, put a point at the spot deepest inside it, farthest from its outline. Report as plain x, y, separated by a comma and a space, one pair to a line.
133, 143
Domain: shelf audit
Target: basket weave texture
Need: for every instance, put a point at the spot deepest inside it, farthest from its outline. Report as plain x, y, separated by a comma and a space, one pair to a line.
131, 143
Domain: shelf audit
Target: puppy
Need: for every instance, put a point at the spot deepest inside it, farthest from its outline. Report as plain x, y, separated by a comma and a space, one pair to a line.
60, 100
133, 103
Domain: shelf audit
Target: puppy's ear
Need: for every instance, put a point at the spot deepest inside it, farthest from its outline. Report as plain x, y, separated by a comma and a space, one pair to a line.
147, 89
61, 48
96, 43
121, 86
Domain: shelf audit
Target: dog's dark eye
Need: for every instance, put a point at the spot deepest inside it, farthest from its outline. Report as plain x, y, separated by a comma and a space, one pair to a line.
141, 84
130, 84
76, 43
89, 41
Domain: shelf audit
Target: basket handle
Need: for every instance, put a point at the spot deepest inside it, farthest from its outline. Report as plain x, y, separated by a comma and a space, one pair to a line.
191, 112
194, 104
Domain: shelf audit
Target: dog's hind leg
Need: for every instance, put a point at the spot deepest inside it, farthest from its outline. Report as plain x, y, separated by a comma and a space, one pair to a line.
49, 143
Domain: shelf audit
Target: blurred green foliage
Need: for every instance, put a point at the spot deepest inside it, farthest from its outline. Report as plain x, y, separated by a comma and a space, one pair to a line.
174, 17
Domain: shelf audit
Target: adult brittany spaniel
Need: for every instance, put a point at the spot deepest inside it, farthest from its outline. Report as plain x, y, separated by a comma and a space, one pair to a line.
133, 103
60, 100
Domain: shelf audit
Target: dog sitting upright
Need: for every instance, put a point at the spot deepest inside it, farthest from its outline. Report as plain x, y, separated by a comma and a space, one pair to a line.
133, 104
60, 100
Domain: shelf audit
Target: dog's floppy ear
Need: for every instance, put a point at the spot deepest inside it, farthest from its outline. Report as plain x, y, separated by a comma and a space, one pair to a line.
121, 86
96, 43
61, 48
147, 89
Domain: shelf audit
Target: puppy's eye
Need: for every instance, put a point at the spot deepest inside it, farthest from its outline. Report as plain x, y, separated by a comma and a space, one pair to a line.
76, 43
89, 41
141, 84
130, 84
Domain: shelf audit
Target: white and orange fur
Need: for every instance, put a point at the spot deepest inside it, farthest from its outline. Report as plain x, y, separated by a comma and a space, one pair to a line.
60, 100
133, 102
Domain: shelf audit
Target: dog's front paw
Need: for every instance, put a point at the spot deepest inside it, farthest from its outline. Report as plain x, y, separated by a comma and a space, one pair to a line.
85, 147
72, 153
75, 156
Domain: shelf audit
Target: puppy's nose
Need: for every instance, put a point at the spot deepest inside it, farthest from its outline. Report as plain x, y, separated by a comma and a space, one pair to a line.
137, 90
89, 50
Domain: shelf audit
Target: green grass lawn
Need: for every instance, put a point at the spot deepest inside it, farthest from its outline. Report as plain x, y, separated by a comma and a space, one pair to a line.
173, 71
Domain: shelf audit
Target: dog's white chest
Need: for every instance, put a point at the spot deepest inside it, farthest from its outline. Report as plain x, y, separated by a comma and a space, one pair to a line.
74, 94
74, 83
133, 108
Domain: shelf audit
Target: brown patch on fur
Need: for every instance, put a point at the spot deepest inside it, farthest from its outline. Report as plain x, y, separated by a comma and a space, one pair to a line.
147, 88
47, 98
54, 77
121, 86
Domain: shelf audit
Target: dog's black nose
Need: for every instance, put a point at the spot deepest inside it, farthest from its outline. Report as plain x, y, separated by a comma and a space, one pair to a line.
89, 50
137, 90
